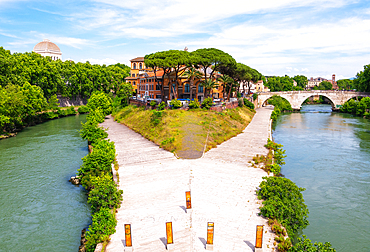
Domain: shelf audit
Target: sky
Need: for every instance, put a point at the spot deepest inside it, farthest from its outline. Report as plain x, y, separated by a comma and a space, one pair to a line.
315, 38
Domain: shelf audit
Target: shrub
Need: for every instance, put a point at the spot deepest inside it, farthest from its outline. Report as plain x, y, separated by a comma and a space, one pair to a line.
70, 111
255, 96
175, 103
103, 225
100, 100
194, 104
284, 202
305, 244
99, 161
240, 102
207, 103
161, 106
156, 117
248, 104
104, 193
83, 110
153, 103
92, 132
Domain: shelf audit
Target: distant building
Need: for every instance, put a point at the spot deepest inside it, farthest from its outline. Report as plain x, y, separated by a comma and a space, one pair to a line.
48, 48
316, 82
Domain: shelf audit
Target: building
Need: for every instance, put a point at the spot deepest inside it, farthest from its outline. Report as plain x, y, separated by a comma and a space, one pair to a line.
147, 85
260, 88
316, 82
48, 48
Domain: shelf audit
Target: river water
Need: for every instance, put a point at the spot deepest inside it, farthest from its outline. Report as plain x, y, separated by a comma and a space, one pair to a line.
329, 155
40, 210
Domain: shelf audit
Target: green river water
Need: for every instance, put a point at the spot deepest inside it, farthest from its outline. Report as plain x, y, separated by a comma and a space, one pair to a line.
329, 155
40, 210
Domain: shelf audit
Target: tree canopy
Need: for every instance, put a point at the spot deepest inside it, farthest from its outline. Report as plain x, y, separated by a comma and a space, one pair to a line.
362, 81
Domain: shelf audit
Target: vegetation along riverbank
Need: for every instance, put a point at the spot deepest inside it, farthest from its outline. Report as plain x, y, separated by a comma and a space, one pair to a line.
283, 202
95, 174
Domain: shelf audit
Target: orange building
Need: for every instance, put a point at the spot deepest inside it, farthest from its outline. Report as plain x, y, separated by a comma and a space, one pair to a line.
144, 83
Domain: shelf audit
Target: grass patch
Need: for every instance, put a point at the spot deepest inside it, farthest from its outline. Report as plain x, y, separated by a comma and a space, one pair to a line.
170, 129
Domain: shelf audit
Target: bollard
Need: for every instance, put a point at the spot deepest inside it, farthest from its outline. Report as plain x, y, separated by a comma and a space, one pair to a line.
128, 238
169, 234
259, 236
210, 230
188, 200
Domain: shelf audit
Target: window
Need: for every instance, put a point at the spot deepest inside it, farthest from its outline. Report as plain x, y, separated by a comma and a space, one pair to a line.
200, 89
134, 83
158, 96
141, 66
134, 65
187, 88
133, 75
158, 87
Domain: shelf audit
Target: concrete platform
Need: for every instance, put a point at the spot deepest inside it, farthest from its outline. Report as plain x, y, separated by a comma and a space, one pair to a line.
222, 185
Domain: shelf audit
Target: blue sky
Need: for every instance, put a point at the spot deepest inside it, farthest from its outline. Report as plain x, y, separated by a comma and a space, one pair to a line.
310, 37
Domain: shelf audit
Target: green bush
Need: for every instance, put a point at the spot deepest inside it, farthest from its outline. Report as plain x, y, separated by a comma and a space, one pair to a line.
96, 163
161, 106
153, 103
156, 117
248, 104
240, 102
284, 202
278, 151
83, 110
207, 103
104, 193
92, 132
70, 111
100, 100
103, 225
96, 115
305, 244
175, 103
194, 104
255, 96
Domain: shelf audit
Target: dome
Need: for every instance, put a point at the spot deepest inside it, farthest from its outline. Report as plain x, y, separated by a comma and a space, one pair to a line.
48, 49
46, 46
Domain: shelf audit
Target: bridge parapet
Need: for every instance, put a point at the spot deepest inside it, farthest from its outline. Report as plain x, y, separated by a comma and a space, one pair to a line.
296, 98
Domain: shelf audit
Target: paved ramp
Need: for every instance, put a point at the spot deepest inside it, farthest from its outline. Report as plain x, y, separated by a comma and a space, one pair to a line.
222, 185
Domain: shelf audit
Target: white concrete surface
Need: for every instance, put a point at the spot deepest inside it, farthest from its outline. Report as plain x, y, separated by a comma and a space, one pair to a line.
222, 185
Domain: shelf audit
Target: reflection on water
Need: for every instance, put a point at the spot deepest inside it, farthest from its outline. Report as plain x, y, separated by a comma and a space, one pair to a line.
329, 155
40, 210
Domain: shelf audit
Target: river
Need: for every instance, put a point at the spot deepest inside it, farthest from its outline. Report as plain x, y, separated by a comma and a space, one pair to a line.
329, 155
40, 210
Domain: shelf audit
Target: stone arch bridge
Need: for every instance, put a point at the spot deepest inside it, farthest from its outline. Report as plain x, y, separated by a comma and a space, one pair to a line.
296, 98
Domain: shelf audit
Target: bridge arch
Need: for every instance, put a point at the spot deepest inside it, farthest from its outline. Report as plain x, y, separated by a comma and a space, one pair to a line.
296, 98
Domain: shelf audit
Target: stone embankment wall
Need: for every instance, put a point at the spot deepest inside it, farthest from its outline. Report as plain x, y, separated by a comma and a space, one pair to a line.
76, 101
228, 105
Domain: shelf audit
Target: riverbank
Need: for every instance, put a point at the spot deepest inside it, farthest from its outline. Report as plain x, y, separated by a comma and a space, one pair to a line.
222, 185
46, 116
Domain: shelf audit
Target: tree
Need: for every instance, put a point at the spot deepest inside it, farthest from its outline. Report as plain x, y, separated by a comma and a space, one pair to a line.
53, 102
124, 92
362, 81
211, 59
225, 80
158, 61
301, 80
277, 83
192, 73
208, 85
100, 100
324, 85
345, 84
34, 99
